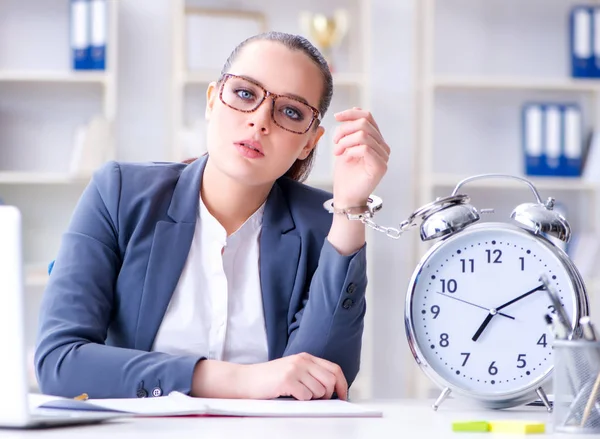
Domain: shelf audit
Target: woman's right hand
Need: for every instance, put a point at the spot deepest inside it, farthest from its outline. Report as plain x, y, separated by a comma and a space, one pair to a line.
302, 376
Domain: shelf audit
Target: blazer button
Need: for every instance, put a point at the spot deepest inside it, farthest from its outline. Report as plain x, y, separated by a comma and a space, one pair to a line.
141, 393
157, 391
347, 303
351, 288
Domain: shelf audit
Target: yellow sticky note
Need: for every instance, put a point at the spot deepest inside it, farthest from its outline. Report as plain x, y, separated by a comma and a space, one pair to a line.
472, 426
517, 427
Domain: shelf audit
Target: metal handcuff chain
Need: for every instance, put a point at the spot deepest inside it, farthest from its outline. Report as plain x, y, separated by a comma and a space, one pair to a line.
442, 203
421, 213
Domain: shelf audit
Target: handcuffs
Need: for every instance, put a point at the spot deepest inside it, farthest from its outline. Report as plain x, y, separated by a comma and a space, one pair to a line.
374, 205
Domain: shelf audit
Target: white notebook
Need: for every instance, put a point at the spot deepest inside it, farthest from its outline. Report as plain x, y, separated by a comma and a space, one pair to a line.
178, 404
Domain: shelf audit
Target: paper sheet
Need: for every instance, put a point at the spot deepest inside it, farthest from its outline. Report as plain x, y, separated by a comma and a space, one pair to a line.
177, 404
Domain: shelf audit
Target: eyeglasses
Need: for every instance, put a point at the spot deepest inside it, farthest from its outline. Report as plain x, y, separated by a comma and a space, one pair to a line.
289, 113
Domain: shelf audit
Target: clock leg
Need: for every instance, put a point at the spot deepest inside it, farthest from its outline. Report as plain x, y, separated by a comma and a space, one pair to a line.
441, 398
540, 392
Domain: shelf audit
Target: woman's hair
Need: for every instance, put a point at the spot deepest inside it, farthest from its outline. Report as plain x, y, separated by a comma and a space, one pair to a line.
301, 168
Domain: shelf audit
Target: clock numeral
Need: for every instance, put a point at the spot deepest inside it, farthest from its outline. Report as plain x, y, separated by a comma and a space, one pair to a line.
522, 259
542, 340
468, 264
451, 285
492, 370
435, 310
521, 363
497, 253
552, 310
467, 355
444, 340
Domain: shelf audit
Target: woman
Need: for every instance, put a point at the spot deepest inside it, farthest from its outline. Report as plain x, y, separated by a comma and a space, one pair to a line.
224, 277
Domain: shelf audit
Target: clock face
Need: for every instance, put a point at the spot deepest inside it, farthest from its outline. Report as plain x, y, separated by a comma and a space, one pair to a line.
477, 309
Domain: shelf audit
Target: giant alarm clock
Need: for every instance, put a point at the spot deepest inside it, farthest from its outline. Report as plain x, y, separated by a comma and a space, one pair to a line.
475, 303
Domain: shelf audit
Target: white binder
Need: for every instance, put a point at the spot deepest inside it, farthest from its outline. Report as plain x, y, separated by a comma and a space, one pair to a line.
80, 34
573, 136
98, 32
552, 137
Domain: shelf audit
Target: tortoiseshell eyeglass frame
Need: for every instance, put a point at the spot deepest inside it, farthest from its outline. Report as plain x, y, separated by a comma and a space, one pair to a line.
273, 96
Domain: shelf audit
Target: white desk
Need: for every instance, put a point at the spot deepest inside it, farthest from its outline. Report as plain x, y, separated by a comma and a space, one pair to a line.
406, 419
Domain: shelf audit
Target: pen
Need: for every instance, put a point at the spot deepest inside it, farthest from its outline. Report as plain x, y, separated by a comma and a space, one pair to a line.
587, 328
559, 330
563, 318
591, 400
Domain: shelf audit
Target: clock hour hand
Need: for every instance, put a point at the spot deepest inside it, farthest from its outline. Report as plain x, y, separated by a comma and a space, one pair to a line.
473, 304
486, 322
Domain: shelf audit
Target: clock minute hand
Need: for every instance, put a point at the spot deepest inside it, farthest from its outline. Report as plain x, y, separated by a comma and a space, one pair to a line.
522, 296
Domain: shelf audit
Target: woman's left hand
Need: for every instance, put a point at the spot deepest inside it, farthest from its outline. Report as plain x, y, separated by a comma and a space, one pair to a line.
361, 157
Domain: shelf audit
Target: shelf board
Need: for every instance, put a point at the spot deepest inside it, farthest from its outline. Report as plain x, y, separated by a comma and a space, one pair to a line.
514, 83
36, 275
10, 177
207, 76
91, 77
540, 183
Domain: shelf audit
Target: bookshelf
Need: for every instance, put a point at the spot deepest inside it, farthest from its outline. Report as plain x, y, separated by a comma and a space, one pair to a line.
52, 77
35, 178
477, 63
449, 181
351, 88
44, 103
513, 83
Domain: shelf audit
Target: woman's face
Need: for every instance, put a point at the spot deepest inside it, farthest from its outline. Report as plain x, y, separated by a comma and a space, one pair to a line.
254, 147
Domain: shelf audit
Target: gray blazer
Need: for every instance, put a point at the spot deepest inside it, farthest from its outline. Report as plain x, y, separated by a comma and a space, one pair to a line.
119, 263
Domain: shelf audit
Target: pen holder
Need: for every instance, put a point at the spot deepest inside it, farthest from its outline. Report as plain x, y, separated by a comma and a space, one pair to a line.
576, 386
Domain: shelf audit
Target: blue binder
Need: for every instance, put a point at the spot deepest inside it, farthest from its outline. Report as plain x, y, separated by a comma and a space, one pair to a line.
98, 32
532, 138
80, 34
572, 141
595, 40
552, 139
581, 42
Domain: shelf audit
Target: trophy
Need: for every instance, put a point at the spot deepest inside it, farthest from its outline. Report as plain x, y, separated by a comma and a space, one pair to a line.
325, 31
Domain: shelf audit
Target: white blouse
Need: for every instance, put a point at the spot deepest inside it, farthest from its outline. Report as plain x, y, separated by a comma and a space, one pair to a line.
216, 310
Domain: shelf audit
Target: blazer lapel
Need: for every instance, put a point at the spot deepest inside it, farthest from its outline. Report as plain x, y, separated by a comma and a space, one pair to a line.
279, 257
170, 247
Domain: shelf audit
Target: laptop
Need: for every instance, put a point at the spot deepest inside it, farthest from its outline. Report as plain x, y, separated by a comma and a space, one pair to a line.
15, 411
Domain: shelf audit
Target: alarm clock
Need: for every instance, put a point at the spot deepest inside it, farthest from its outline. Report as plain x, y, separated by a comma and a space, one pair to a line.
475, 304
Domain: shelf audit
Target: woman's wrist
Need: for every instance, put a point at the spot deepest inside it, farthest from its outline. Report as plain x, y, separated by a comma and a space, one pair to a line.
218, 379
346, 236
